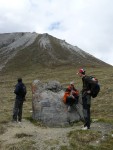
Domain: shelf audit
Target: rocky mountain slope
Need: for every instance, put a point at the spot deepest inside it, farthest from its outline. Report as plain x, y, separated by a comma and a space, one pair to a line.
24, 49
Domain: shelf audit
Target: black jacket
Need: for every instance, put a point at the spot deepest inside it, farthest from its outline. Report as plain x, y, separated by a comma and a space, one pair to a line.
87, 84
20, 91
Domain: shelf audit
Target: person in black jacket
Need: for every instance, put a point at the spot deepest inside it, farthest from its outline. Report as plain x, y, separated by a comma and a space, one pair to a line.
20, 91
86, 97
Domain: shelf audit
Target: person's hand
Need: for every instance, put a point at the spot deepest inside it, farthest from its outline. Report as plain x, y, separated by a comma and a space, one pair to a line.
72, 96
89, 92
73, 92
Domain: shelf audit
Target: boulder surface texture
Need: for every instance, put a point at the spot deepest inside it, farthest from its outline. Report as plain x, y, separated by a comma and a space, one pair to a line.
48, 105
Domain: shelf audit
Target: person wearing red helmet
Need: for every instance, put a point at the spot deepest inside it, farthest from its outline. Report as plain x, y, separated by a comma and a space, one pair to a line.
86, 97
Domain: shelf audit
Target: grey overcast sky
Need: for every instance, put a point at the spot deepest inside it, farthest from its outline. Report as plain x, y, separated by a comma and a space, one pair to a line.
87, 24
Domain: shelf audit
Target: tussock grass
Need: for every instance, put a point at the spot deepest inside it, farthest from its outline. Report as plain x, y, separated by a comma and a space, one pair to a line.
2, 129
51, 142
23, 135
107, 144
65, 148
81, 139
84, 136
23, 145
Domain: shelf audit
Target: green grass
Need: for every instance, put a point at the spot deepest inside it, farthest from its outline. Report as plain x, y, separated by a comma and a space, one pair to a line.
107, 144
2, 129
23, 145
82, 140
35, 122
102, 106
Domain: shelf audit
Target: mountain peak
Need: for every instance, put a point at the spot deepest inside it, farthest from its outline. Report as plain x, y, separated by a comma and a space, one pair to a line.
41, 49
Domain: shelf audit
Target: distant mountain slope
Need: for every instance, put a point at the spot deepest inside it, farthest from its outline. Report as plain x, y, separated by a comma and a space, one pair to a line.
21, 50
11, 43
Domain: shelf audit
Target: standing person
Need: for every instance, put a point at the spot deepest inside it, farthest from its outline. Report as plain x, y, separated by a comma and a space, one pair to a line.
20, 91
86, 97
71, 96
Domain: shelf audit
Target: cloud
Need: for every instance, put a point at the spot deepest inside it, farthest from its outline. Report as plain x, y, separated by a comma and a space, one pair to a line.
86, 24
54, 26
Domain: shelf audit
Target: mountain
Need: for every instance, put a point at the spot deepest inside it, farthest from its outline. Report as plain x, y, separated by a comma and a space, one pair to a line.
27, 50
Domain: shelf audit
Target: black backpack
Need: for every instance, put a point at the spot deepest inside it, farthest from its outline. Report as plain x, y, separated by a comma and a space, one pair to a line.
22, 90
95, 87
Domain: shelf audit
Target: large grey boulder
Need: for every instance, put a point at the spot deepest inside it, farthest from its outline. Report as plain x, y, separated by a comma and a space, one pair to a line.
48, 105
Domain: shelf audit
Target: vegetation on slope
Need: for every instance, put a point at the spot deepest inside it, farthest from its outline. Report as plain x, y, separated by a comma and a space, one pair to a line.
102, 106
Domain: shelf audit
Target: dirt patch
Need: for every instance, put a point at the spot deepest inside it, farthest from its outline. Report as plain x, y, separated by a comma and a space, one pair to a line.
44, 137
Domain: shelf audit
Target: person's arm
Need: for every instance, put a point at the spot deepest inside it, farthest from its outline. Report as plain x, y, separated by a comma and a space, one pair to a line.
16, 91
66, 94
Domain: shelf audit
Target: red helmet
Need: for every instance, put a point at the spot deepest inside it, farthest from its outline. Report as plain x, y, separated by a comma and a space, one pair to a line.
82, 71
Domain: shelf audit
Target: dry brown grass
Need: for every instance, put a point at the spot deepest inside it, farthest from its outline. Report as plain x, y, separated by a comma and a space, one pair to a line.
24, 145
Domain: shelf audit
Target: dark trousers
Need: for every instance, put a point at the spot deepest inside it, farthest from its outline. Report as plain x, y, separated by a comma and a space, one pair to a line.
17, 111
86, 111
70, 101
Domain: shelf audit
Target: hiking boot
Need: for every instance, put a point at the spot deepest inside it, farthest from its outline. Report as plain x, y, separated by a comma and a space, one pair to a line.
84, 128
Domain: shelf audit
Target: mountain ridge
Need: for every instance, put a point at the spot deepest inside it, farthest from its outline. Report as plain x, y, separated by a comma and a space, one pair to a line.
25, 49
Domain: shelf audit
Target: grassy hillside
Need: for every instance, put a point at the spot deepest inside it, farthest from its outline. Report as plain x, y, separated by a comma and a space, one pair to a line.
102, 106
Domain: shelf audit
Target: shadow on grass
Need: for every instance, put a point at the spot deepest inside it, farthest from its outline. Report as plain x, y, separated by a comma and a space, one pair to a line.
21, 135
35, 122
2, 130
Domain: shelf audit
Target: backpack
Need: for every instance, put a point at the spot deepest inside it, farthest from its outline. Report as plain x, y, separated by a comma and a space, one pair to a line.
22, 90
95, 87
